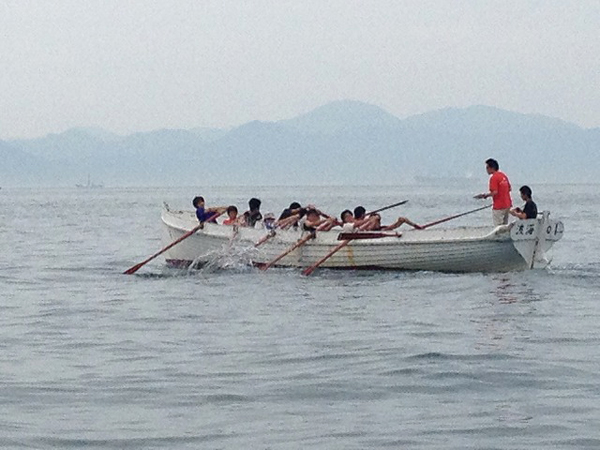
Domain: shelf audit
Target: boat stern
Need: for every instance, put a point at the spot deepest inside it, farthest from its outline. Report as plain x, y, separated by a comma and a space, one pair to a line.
534, 238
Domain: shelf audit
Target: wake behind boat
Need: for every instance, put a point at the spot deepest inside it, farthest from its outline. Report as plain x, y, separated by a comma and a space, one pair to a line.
522, 245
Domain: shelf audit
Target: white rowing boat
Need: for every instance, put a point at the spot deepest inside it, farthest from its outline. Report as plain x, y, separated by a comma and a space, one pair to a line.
521, 245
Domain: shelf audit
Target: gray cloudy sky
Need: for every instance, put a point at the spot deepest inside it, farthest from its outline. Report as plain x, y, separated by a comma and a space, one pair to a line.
137, 65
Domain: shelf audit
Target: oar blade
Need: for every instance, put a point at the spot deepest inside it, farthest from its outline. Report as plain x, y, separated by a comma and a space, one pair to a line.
133, 269
308, 271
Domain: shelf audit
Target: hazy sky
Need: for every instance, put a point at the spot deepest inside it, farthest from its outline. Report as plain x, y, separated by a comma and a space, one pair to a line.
135, 65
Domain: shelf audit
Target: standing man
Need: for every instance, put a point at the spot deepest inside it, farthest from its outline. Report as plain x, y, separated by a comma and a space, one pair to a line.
499, 191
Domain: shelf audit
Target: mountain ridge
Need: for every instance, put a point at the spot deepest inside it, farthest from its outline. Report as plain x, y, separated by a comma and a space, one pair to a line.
338, 141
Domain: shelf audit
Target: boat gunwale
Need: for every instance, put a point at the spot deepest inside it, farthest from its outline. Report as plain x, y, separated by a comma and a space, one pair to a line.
493, 235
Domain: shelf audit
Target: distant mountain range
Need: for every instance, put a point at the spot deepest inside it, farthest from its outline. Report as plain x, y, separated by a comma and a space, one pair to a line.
344, 142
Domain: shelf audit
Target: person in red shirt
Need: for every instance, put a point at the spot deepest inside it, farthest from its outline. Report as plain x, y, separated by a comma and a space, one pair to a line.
232, 216
499, 191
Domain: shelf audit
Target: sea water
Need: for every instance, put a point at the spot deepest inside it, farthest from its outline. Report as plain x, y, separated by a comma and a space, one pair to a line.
233, 357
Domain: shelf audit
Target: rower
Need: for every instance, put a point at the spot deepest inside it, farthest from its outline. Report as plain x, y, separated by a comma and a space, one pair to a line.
269, 221
294, 208
206, 214
232, 215
291, 220
529, 210
373, 222
314, 222
364, 222
253, 214
347, 224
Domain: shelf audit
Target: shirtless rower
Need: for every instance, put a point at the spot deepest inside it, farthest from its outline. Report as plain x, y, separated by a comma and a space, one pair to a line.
314, 222
373, 222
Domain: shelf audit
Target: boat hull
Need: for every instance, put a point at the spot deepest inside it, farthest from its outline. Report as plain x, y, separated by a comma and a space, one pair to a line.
466, 249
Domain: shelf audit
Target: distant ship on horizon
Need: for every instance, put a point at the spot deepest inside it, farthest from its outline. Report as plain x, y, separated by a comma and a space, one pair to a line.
89, 185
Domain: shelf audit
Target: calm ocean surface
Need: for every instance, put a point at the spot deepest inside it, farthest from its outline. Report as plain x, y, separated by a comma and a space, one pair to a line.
236, 358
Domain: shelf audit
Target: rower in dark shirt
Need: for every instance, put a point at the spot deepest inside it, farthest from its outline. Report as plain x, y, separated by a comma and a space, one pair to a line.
529, 210
253, 215
287, 212
290, 216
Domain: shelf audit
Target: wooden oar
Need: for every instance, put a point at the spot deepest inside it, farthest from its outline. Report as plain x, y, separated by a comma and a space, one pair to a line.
312, 268
272, 232
342, 244
446, 219
289, 250
366, 235
386, 207
137, 267
265, 238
